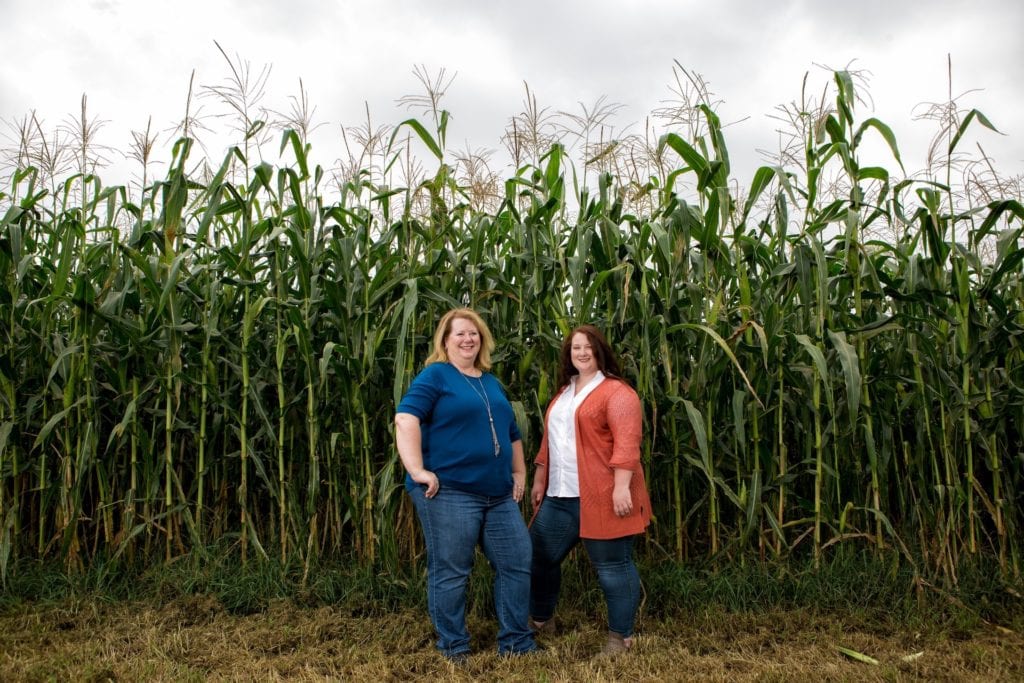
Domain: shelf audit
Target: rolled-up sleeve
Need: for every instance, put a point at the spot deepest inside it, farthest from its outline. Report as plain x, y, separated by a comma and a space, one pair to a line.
625, 421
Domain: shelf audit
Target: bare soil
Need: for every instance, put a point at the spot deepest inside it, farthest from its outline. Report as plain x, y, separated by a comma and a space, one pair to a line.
195, 639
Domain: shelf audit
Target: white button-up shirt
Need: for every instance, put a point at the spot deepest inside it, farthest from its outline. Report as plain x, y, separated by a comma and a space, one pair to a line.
563, 473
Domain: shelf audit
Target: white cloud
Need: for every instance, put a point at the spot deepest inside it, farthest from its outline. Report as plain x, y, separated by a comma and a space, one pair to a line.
134, 59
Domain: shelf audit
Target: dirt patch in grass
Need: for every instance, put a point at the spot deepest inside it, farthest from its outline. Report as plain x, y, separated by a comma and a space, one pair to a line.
195, 639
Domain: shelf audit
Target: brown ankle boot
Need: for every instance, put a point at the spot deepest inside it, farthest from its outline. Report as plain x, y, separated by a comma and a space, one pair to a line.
546, 628
615, 645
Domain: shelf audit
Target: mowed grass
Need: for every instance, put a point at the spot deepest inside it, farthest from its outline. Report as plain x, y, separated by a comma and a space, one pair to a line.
194, 638
206, 618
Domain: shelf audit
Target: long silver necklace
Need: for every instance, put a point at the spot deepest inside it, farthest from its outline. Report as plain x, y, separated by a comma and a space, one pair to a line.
482, 393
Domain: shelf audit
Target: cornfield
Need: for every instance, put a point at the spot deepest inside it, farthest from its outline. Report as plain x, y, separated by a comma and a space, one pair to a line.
828, 358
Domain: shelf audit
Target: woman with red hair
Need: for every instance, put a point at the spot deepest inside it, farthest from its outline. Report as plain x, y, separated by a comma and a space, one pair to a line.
589, 485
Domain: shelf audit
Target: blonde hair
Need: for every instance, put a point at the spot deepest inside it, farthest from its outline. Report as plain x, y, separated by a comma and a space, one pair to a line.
444, 328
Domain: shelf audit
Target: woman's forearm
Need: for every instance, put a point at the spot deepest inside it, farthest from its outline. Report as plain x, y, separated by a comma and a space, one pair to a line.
518, 471
408, 442
623, 477
518, 458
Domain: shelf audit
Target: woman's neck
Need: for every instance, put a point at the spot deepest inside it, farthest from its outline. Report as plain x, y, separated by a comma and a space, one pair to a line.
469, 369
583, 380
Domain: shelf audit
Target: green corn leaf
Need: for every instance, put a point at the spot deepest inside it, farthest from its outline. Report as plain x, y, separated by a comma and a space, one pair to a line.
700, 434
972, 115
887, 135
697, 163
851, 371
425, 137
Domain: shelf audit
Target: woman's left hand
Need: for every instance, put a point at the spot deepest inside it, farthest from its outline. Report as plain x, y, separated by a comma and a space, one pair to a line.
518, 485
622, 501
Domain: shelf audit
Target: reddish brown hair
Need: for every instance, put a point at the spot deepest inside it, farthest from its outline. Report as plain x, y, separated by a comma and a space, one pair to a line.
603, 355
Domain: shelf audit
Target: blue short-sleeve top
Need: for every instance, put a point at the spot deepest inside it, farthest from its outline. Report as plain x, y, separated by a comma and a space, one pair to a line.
456, 437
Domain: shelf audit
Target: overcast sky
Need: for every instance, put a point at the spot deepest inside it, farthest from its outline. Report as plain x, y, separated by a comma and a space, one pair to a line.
133, 59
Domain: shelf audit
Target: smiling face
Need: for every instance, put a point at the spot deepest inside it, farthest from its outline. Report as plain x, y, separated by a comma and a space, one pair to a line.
585, 351
462, 343
583, 355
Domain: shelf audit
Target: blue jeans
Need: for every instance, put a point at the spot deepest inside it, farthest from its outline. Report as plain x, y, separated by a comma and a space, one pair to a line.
453, 523
554, 532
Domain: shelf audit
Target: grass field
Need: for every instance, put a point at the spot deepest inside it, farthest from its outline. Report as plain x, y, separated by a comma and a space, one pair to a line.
196, 639
208, 619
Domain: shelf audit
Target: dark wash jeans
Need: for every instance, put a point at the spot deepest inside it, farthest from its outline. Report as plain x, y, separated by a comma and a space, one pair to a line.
554, 532
453, 523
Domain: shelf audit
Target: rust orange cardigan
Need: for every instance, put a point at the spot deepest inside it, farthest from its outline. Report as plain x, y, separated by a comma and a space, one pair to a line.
608, 431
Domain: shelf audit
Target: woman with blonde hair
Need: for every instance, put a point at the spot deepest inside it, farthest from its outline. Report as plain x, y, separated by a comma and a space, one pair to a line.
462, 451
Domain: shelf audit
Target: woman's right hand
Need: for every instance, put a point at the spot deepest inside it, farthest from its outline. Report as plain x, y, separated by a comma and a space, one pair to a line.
428, 479
540, 486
